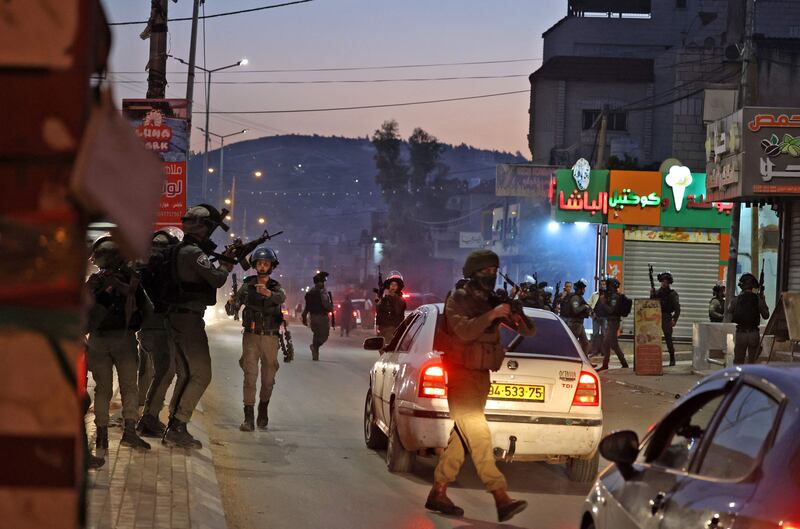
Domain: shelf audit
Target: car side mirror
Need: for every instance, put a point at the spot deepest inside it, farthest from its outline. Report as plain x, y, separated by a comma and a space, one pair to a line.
622, 448
374, 344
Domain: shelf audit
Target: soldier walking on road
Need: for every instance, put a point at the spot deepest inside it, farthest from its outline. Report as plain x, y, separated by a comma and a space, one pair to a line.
575, 310
608, 309
114, 318
346, 320
598, 324
193, 287
670, 310
262, 298
318, 305
391, 307
746, 310
716, 306
474, 351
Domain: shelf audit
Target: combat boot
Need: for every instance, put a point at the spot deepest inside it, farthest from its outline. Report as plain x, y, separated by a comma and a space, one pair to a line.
314, 352
101, 439
177, 436
263, 415
247, 425
506, 507
130, 439
439, 502
150, 426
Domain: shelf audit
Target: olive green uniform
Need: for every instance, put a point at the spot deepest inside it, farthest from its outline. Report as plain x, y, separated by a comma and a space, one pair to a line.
318, 305
474, 351
746, 311
199, 281
154, 343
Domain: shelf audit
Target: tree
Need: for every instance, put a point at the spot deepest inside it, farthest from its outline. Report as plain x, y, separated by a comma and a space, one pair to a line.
393, 179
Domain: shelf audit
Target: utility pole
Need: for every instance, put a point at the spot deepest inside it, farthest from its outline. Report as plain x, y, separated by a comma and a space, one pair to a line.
746, 93
157, 65
192, 55
600, 162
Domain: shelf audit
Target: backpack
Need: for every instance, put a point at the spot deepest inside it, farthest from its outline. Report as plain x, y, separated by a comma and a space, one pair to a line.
161, 277
624, 305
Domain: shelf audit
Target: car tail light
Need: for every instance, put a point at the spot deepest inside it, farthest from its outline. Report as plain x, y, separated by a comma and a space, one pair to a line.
406, 296
588, 391
433, 382
355, 314
789, 525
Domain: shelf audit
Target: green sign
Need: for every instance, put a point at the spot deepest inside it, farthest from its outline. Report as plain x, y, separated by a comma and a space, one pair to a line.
575, 205
684, 203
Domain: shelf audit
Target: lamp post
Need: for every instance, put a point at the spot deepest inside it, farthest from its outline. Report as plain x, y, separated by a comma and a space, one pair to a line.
240, 62
222, 155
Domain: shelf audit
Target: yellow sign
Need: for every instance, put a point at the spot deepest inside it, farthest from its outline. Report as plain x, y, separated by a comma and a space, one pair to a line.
677, 235
516, 392
647, 337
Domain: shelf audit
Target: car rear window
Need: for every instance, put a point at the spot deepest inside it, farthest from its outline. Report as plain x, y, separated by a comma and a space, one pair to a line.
552, 338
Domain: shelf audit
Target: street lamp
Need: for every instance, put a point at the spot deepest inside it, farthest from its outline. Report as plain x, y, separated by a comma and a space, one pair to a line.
221, 153
257, 174
240, 62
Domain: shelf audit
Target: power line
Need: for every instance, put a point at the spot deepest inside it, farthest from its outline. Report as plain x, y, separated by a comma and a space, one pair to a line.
334, 81
216, 15
680, 98
363, 107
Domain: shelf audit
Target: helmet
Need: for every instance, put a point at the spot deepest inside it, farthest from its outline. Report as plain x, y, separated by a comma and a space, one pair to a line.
105, 251
321, 277
719, 287
262, 253
542, 285
395, 276
201, 220
666, 274
612, 283
549, 291
580, 283
478, 260
168, 235
748, 280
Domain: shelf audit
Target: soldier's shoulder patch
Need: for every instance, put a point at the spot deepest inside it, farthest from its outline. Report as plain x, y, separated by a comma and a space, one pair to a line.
203, 260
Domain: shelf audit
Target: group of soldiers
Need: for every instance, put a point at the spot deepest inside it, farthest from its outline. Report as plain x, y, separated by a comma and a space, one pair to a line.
746, 311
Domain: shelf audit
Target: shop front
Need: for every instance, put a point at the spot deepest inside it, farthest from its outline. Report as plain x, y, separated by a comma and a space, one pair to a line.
651, 218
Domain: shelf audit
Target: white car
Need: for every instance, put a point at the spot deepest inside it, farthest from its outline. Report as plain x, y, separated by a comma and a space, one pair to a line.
545, 403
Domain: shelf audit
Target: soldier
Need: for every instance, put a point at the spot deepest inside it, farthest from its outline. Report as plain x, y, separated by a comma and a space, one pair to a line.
563, 297
318, 304
547, 297
575, 310
346, 319
608, 310
193, 287
391, 307
598, 324
474, 351
670, 310
262, 298
746, 310
115, 316
153, 338
716, 306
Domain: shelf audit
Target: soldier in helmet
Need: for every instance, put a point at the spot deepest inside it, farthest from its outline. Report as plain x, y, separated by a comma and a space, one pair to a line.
318, 304
574, 310
153, 339
670, 310
390, 308
115, 316
746, 311
193, 287
608, 310
716, 306
262, 298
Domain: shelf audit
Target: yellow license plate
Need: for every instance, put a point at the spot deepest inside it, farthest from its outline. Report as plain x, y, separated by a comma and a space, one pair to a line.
516, 392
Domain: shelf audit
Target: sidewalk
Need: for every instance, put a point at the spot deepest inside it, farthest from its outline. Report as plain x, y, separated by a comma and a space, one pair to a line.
674, 383
159, 488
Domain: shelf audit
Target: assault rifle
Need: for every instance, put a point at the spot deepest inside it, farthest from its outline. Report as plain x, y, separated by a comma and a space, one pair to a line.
555, 297
500, 297
761, 279
287, 346
237, 251
333, 311
650, 272
234, 289
379, 291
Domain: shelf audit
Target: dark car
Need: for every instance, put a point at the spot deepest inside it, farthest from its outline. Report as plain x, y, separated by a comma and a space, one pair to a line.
727, 455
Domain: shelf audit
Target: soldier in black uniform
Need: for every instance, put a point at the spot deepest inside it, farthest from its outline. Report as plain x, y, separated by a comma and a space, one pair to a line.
608, 309
114, 318
716, 306
319, 304
670, 310
390, 308
262, 298
193, 287
746, 310
574, 310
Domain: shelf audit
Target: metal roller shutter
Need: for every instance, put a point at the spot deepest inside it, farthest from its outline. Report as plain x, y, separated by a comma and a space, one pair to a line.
695, 268
793, 271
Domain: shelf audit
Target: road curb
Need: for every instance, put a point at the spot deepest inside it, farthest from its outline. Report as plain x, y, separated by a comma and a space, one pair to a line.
205, 501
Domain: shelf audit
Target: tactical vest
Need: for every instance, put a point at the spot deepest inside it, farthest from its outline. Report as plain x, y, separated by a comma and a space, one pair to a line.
257, 316
108, 312
172, 290
746, 314
483, 353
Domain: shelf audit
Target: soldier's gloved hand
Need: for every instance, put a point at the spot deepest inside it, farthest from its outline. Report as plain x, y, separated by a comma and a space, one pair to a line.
501, 311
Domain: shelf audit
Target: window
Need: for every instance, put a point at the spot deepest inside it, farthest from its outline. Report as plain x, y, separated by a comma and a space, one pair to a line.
734, 450
616, 120
551, 339
399, 332
413, 330
677, 438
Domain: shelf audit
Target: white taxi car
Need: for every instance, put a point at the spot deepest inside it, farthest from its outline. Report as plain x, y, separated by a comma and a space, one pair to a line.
545, 402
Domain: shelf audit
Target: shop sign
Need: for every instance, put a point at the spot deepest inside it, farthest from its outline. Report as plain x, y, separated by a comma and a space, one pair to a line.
634, 197
647, 337
523, 180
162, 125
470, 239
685, 203
572, 204
677, 235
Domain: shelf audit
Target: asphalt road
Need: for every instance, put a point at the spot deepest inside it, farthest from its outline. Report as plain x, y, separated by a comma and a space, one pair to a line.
310, 469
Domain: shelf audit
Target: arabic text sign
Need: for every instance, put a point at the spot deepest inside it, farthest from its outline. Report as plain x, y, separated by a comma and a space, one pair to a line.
647, 337
470, 239
696, 210
634, 197
771, 151
678, 235
574, 205
522, 180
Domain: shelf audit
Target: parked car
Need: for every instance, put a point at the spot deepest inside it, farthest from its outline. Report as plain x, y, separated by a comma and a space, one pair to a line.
727, 455
416, 299
545, 401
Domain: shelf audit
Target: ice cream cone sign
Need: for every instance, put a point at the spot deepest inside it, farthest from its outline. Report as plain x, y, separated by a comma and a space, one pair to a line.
679, 178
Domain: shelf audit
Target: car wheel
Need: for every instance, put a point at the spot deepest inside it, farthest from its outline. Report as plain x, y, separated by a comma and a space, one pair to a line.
398, 459
583, 470
373, 435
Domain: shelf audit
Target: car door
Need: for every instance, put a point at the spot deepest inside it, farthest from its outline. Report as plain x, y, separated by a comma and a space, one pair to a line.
392, 359
379, 371
724, 473
637, 502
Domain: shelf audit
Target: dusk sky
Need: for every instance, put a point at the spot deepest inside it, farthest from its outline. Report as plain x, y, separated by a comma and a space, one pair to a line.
352, 33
